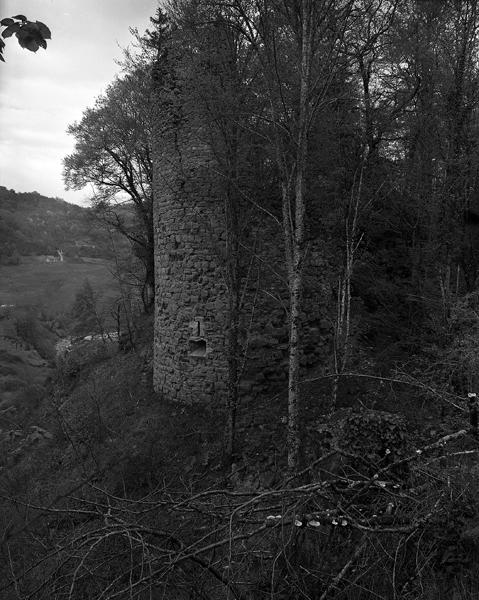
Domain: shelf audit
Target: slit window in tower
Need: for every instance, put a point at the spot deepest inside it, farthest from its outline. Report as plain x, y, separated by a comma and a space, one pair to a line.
197, 341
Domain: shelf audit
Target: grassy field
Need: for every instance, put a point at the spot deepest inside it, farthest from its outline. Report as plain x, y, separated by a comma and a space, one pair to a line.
53, 286
37, 288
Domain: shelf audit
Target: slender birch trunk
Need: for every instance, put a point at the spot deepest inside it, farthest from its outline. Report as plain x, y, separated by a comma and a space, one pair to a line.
294, 228
342, 343
232, 242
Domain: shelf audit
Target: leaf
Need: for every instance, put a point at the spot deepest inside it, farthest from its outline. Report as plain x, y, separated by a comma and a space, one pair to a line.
29, 42
28, 37
44, 31
43, 44
28, 28
10, 30
6, 22
32, 45
1, 58
20, 17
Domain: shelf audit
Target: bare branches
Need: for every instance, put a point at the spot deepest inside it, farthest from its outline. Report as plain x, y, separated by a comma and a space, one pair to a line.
173, 536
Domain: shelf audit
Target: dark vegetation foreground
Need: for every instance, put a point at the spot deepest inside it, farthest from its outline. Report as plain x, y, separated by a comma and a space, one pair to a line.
110, 492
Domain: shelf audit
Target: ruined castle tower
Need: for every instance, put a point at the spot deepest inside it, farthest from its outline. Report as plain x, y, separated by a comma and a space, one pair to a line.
191, 309
191, 296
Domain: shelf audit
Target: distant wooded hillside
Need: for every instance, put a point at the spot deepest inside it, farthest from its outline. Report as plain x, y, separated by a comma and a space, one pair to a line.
32, 224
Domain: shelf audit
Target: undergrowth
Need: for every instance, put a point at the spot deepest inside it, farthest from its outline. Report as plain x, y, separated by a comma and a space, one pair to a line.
118, 494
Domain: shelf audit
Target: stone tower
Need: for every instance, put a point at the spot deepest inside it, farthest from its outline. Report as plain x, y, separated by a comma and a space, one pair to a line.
191, 298
190, 311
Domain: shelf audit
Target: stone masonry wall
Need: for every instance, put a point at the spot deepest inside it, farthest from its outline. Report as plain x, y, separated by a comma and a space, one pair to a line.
190, 312
264, 332
190, 354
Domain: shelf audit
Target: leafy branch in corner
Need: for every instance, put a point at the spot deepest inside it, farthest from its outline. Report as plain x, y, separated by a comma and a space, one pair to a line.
30, 34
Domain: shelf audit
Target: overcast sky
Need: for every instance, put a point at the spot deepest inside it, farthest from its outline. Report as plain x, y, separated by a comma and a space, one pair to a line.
42, 93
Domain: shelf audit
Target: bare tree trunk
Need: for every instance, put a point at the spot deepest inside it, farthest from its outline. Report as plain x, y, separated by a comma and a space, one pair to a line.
125, 299
148, 290
294, 437
232, 259
290, 145
233, 372
343, 320
295, 237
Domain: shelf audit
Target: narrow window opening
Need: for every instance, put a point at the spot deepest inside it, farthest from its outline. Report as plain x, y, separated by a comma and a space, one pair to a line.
197, 340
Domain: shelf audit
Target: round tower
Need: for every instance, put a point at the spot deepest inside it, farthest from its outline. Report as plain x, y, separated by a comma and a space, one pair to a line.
193, 318
190, 363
